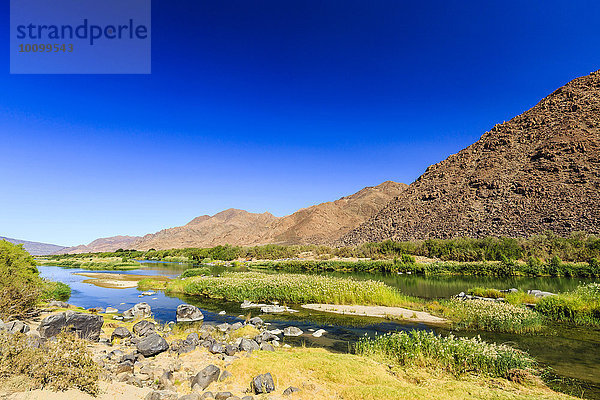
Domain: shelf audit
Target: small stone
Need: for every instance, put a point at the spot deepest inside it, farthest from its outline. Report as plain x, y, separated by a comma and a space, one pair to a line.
292, 331
248, 345
319, 332
216, 348
191, 396
224, 375
290, 390
207, 395
111, 310
224, 327
120, 333
236, 326
222, 313
230, 350
125, 366
162, 395
223, 395
256, 321
266, 347
140, 310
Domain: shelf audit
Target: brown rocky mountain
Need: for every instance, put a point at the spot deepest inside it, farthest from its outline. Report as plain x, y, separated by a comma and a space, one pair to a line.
539, 171
100, 245
318, 224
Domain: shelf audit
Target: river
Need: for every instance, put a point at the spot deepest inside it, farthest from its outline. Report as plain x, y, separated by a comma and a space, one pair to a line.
573, 353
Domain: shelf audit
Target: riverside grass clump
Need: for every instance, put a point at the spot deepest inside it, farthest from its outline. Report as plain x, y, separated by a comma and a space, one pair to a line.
291, 288
199, 271
493, 316
59, 364
454, 355
580, 306
94, 264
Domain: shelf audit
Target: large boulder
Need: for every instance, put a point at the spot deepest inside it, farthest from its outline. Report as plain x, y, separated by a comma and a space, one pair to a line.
140, 310
292, 331
86, 326
248, 345
144, 328
205, 377
188, 313
152, 345
263, 384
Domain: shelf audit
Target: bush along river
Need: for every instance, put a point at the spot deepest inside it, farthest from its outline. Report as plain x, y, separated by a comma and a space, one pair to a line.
570, 352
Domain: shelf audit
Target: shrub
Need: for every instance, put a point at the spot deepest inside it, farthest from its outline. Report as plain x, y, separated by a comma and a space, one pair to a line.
188, 273
20, 284
56, 291
455, 355
494, 316
58, 365
580, 306
485, 292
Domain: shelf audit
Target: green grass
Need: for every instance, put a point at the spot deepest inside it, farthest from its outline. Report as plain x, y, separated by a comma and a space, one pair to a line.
290, 288
95, 264
56, 291
454, 355
580, 306
199, 271
493, 316
485, 292
151, 284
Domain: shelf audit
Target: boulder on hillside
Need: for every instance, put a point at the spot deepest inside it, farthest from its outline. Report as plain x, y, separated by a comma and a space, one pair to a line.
120, 333
144, 328
205, 377
263, 383
152, 345
188, 313
86, 326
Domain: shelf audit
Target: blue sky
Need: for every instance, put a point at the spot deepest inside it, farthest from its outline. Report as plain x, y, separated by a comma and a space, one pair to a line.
273, 106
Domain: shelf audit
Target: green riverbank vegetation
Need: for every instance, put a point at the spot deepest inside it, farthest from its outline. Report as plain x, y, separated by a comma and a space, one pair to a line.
93, 263
457, 356
290, 288
580, 306
21, 287
579, 247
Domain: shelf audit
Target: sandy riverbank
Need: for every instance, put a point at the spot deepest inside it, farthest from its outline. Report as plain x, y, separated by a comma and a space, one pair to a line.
378, 311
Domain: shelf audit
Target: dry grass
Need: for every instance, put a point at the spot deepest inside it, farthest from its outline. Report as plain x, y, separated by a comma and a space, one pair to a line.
323, 375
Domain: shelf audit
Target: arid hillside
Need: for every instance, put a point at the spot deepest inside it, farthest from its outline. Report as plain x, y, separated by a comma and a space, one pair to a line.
539, 171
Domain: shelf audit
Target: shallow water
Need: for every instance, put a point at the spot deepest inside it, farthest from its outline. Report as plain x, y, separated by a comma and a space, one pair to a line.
571, 352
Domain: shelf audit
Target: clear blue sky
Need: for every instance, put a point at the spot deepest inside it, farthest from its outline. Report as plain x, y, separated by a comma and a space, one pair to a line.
273, 106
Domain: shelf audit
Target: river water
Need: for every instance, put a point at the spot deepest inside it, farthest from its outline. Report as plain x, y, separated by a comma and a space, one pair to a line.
573, 353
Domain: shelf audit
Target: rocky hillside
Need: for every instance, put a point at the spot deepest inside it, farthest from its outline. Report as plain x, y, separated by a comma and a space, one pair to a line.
322, 223
101, 245
539, 171
231, 226
35, 248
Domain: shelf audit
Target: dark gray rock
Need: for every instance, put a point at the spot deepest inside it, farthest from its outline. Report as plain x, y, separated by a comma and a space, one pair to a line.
193, 338
266, 337
16, 327
188, 313
120, 333
140, 310
86, 326
263, 384
129, 357
152, 345
205, 377
248, 345
223, 395
162, 395
290, 390
144, 328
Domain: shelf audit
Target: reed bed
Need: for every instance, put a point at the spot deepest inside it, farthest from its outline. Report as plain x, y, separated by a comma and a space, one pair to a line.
494, 316
291, 288
454, 355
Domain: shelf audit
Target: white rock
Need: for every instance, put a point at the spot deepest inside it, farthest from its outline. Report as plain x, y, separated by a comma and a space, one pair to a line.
111, 310
319, 333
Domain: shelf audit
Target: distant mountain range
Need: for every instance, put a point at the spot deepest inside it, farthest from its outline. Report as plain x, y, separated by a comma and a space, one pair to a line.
36, 248
538, 172
319, 224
